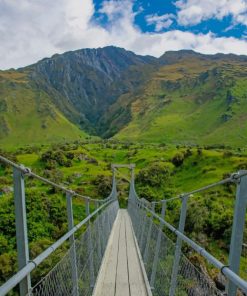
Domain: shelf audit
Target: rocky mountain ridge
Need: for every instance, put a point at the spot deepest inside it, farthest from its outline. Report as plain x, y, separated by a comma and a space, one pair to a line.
110, 91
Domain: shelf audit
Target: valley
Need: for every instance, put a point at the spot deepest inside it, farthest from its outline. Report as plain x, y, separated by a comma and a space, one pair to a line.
182, 97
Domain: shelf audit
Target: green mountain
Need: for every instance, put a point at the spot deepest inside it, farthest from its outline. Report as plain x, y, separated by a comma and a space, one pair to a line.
191, 99
181, 97
28, 116
62, 98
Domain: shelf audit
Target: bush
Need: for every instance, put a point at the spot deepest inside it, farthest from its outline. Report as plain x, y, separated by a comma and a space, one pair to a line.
227, 154
199, 151
219, 223
147, 193
154, 175
57, 157
178, 159
195, 219
104, 185
70, 155
54, 175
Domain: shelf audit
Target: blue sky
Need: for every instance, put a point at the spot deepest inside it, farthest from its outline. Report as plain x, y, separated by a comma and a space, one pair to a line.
31, 30
222, 26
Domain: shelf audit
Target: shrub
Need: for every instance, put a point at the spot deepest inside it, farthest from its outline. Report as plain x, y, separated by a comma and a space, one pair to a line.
70, 155
178, 159
57, 157
104, 185
147, 193
199, 151
227, 154
154, 175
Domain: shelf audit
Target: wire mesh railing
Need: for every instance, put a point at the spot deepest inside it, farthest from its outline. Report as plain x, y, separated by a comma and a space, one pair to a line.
168, 270
158, 253
71, 267
87, 251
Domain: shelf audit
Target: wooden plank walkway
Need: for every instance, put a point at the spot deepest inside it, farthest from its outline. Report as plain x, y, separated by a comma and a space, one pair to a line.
121, 273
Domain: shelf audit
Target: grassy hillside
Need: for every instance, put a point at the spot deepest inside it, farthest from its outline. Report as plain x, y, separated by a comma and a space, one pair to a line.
27, 115
194, 101
181, 97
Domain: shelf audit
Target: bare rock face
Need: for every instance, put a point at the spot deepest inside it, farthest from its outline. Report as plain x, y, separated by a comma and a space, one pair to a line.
89, 80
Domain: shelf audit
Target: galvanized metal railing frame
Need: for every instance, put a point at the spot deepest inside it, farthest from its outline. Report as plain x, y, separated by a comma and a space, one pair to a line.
230, 271
72, 241
25, 266
178, 246
21, 227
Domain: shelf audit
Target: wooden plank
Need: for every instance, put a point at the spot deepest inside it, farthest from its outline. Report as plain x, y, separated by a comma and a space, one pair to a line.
121, 273
146, 282
105, 285
136, 280
122, 279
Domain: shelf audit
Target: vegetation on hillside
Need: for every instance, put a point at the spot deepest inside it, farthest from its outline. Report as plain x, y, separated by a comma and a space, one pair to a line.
161, 172
27, 114
195, 101
180, 118
181, 97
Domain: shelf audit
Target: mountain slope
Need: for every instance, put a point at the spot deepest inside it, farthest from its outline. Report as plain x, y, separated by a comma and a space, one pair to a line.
62, 98
196, 99
27, 115
89, 80
182, 97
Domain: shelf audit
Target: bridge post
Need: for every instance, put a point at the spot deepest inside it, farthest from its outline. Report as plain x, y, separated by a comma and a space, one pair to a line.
177, 255
237, 229
157, 247
90, 247
21, 228
73, 258
145, 258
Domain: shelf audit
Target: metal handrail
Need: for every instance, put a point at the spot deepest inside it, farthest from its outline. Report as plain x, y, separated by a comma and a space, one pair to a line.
25, 265
224, 268
239, 214
21, 274
27, 172
232, 179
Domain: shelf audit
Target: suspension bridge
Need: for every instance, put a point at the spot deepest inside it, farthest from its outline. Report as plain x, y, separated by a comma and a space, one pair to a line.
125, 251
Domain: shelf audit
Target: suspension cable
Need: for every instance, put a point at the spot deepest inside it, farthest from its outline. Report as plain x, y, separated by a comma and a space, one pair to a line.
234, 178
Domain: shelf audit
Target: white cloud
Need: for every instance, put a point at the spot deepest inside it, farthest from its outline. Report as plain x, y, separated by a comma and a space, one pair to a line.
192, 12
160, 21
31, 30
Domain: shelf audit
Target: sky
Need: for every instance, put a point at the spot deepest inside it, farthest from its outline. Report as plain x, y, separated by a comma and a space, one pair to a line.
33, 29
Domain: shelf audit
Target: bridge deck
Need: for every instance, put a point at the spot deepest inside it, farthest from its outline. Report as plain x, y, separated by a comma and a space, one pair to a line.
121, 273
